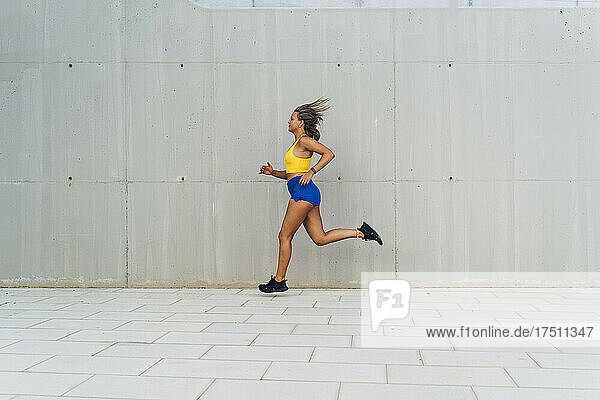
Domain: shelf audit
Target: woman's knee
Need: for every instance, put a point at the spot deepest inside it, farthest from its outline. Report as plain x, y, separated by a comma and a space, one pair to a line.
320, 240
285, 236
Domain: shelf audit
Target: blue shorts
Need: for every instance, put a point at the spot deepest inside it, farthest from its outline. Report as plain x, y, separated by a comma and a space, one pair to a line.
309, 192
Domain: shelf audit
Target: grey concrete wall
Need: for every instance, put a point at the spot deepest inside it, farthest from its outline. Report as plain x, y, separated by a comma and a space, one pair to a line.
466, 137
396, 3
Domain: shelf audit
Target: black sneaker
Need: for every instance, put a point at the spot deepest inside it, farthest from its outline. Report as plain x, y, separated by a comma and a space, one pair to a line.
370, 233
273, 286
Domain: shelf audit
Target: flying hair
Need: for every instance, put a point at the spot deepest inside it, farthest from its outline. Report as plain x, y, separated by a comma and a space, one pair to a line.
312, 115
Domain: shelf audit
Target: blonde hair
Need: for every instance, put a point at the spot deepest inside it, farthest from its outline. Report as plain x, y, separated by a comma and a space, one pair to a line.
312, 115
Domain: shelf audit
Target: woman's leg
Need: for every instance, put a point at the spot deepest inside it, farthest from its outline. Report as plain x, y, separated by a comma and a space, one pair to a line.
314, 227
296, 213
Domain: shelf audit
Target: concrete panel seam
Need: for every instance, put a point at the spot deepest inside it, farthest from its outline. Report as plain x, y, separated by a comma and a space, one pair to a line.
126, 149
395, 152
201, 181
292, 62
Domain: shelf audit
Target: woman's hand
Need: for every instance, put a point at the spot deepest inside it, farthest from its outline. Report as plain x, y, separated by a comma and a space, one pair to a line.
306, 178
266, 169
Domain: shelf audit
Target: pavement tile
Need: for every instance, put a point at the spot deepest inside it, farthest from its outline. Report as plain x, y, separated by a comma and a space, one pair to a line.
38, 383
479, 314
246, 310
114, 336
54, 347
141, 387
53, 314
321, 311
503, 393
201, 317
401, 342
130, 316
259, 353
163, 326
177, 308
476, 358
303, 340
556, 378
78, 324
30, 306
433, 375
94, 365
255, 390
154, 350
289, 319
575, 361
35, 334
209, 369
95, 308
334, 372
6, 342
246, 327
326, 329
207, 338
366, 356
363, 391
20, 362
20, 322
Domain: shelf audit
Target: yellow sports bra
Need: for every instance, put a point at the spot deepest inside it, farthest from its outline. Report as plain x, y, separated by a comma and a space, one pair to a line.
296, 164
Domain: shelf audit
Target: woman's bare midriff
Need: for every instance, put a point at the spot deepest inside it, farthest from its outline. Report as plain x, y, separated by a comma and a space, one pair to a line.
290, 176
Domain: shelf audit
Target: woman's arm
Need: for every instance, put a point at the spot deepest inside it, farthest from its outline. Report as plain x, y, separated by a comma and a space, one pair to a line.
279, 174
268, 170
326, 156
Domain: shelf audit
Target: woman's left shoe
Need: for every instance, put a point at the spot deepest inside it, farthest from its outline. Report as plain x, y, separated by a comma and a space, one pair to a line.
370, 233
273, 286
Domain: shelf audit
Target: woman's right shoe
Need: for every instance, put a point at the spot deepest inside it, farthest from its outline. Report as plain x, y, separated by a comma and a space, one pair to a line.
370, 233
273, 286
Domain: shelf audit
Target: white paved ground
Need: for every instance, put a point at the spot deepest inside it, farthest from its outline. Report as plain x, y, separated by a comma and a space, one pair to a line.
304, 344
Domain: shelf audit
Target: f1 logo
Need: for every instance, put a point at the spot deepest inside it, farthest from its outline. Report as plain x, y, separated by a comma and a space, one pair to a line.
388, 299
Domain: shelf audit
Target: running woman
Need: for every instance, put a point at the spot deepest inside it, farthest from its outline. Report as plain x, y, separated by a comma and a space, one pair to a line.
303, 206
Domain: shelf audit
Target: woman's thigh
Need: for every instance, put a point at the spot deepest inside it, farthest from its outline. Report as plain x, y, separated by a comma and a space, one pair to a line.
294, 216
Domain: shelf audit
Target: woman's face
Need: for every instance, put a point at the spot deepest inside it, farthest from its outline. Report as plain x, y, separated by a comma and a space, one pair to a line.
294, 122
